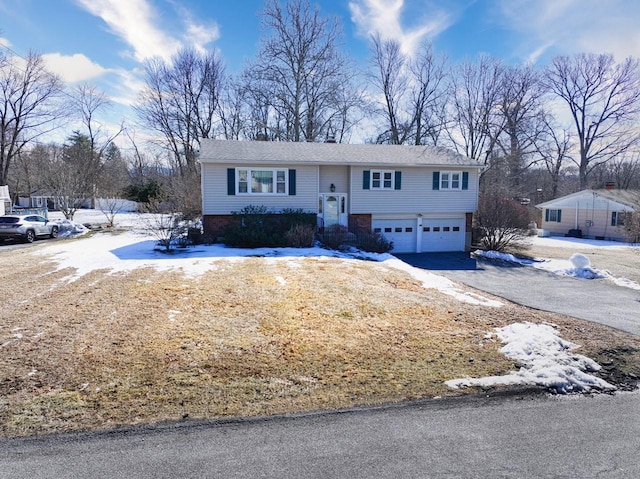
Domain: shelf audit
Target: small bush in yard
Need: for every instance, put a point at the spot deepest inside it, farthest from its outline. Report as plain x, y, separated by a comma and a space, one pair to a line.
300, 236
335, 236
500, 222
374, 243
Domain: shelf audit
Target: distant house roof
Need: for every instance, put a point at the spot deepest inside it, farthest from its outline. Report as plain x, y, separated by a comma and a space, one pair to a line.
623, 200
270, 152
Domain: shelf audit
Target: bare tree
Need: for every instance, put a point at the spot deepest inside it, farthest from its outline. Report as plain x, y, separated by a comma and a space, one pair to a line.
553, 145
89, 103
475, 88
233, 115
623, 171
180, 101
603, 98
29, 105
516, 123
68, 176
626, 171
412, 91
428, 95
389, 77
298, 70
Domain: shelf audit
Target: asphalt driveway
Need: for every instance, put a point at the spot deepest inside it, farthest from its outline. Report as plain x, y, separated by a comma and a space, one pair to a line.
593, 300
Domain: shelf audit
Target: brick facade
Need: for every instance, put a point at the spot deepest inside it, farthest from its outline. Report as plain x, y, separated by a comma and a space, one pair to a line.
360, 223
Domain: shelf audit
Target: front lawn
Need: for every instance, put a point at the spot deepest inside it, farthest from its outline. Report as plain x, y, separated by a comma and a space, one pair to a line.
251, 336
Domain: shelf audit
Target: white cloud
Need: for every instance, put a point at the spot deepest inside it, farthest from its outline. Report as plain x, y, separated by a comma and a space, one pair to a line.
572, 26
73, 68
134, 22
384, 17
199, 35
196, 34
4, 42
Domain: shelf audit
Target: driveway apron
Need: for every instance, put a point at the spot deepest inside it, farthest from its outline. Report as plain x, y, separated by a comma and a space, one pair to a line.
593, 300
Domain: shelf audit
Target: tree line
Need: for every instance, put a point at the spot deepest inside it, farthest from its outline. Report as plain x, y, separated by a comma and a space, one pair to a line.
539, 131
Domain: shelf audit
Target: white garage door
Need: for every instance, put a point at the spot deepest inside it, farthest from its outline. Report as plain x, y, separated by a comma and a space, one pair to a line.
443, 235
402, 232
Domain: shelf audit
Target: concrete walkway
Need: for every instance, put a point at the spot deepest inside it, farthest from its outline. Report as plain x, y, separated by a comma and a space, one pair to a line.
593, 300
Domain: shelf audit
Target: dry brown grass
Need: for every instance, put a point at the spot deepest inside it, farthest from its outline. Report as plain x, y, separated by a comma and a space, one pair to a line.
258, 336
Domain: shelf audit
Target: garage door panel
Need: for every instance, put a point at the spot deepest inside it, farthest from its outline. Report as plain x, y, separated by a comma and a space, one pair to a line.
443, 235
402, 232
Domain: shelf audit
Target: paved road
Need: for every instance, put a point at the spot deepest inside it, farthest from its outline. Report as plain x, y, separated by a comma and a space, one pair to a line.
592, 300
533, 437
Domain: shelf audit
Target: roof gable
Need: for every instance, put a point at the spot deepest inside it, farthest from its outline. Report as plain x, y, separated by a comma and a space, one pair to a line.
267, 152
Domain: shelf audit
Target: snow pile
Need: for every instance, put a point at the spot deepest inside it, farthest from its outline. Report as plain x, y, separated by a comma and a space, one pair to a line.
582, 267
546, 361
69, 229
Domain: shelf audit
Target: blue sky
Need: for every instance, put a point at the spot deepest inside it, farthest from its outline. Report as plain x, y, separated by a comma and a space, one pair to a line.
106, 41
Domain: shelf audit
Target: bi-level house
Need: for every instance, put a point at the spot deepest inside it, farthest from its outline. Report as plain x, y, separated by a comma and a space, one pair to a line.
422, 198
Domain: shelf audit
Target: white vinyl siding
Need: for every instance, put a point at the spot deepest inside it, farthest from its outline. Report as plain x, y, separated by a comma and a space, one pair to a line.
217, 201
337, 176
415, 196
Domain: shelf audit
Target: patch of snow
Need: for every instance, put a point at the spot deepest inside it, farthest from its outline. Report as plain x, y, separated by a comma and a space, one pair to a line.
578, 265
281, 280
547, 360
444, 285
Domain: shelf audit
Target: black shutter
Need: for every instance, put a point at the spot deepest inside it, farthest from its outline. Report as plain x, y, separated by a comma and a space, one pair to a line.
231, 181
436, 180
559, 216
465, 180
398, 182
292, 182
366, 176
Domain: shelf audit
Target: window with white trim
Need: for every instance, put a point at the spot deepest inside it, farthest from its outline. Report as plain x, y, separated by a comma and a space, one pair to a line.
382, 180
450, 180
250, 181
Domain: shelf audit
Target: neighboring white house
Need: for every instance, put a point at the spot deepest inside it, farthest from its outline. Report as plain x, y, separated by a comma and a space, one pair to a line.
4, 199
422, 198
590, 213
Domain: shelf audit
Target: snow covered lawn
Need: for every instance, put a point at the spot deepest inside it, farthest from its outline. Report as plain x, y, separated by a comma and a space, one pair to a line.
103, 330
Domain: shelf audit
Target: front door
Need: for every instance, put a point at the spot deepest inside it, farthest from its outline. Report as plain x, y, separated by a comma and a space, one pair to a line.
333, 209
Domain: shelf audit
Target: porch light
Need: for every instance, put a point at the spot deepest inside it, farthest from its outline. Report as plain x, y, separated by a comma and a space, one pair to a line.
332, 188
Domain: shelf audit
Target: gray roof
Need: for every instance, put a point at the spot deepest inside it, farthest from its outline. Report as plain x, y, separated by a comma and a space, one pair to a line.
277, 152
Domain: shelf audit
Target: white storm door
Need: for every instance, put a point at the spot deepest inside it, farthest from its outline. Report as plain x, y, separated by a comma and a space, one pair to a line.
334, 209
